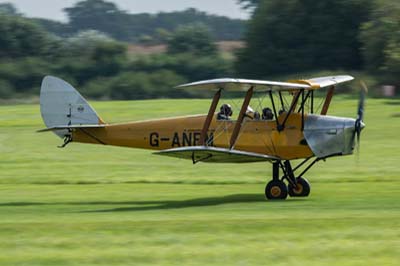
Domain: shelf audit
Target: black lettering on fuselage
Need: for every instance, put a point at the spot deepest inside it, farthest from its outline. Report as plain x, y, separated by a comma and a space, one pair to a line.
175, 140
191, 139
154, 139
183, 139
196, 138
187, 139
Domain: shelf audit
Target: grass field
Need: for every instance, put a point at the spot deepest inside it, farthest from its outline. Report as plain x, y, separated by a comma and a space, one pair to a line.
98, 205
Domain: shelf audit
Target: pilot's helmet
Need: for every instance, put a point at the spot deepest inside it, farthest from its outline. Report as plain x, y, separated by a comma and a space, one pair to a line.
226, 109
267, 114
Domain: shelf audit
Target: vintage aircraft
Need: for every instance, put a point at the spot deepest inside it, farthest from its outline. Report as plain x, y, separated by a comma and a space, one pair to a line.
289, 130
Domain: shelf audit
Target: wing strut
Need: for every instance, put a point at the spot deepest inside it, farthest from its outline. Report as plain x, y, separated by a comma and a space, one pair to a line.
292, 109
242, 113
295, 99
209, 118
328, 100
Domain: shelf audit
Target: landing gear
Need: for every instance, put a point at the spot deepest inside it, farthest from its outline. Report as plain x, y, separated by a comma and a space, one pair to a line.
302, 188
276, 189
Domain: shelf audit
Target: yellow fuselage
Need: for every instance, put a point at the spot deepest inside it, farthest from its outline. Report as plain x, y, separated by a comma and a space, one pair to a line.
257, 136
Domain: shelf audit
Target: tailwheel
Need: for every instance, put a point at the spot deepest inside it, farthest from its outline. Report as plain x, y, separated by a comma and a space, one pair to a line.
302, 189
275, 190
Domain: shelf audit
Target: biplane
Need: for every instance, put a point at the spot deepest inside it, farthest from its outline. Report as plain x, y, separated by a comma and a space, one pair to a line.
287, 125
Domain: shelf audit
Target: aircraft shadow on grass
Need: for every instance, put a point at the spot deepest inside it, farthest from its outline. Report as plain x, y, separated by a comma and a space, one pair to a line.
155, 205
189, 203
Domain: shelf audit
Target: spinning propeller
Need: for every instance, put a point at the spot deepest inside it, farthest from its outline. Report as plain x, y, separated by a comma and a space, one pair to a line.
359, 125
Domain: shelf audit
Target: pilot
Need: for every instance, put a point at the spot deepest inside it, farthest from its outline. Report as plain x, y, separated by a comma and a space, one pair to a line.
225, 112
267, 114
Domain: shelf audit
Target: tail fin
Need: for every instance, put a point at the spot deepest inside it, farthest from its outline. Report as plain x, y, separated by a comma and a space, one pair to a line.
62, 106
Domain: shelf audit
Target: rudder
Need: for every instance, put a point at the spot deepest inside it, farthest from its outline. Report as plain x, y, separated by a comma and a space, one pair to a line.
62, 105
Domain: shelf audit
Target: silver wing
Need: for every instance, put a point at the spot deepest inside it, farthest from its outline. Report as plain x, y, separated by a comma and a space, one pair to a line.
231, 84
215, 155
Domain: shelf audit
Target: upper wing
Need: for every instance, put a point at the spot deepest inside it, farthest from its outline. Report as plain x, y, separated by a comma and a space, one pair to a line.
244, 84
215, 155
330, 81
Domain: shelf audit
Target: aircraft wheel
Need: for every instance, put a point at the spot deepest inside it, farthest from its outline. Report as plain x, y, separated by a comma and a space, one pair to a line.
276, 189
302, 189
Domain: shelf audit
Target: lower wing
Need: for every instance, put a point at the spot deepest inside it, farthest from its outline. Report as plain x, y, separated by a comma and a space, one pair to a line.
215, 155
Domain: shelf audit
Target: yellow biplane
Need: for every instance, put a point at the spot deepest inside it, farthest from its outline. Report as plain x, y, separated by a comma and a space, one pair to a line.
285, 128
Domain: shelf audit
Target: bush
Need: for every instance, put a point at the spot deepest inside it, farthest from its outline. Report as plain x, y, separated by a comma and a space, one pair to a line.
136, 85
190, 66
6, 90
98, 88
142, 85
195, 39
91, 55
25, 74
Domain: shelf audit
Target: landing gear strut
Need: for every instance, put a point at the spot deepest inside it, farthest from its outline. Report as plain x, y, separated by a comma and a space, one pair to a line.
276, 188
297, 186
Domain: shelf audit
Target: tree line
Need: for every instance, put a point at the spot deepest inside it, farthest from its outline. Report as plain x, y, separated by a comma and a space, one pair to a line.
299, 37
100, 65
108, 18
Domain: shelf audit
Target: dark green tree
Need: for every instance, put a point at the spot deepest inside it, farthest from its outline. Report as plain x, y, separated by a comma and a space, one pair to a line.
99, 15
57, 28
105, 16
221, 28
6, 89
90, 55
381, 42
144, 85
8, 9
302, 35
195, 39
20, 37
249, 4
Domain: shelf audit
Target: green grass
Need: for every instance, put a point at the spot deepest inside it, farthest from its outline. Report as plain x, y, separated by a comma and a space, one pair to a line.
99, 205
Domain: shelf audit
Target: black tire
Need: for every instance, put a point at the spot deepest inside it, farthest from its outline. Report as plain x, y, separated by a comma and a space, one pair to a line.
302, 190
276, 190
